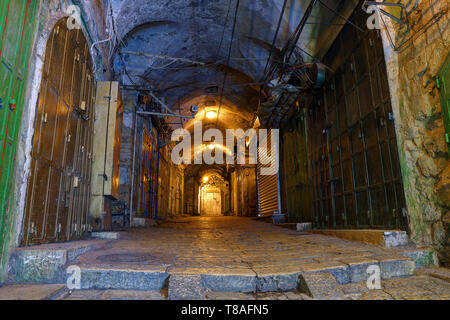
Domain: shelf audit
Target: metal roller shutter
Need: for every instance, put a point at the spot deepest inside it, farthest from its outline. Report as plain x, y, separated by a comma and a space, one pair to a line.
268, 185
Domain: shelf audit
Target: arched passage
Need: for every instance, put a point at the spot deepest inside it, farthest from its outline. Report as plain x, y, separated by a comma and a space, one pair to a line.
213, 195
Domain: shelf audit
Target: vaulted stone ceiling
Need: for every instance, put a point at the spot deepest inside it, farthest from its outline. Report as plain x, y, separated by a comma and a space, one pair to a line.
201, 30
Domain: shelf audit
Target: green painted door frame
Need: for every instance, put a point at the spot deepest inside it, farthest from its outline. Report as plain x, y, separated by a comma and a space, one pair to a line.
17, 26
443, 84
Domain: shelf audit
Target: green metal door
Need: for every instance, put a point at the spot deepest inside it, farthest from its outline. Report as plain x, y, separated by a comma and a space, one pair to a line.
443, 84
17, 19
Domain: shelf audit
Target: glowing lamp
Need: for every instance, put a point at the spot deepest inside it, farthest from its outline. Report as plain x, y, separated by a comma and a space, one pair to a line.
211, 115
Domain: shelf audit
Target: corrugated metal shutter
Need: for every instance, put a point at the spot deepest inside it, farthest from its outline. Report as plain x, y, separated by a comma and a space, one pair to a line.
268, 185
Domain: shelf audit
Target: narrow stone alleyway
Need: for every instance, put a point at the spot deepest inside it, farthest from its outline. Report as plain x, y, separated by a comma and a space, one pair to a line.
236, 258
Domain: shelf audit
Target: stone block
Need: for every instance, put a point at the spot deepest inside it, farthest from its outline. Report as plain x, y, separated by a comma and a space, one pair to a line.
320, 286
396, 268
277, 282
395, 239
45, 263
230, 282
304, 226
122, 279
106, 235
186, 287
143, 222
422, 257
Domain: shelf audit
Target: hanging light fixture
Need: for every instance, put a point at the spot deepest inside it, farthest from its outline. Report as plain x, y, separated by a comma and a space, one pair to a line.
211, 114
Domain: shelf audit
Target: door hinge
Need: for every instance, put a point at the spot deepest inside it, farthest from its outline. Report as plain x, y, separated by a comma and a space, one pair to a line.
32, 229
404, 213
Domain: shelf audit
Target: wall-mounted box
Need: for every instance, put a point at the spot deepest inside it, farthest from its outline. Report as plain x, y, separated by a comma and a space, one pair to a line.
106, 150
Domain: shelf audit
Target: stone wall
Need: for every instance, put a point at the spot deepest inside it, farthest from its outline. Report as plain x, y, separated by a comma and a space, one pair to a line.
424, 158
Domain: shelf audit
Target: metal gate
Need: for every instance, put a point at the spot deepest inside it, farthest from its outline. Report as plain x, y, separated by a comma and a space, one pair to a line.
295, 172
59, 185
164, 182
149, 175
354, 157
268, 186
17, 24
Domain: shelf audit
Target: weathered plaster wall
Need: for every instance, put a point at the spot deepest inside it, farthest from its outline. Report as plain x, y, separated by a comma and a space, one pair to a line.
419, 125
50, 12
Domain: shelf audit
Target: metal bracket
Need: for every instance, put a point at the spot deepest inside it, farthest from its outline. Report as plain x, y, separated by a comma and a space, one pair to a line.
404, 12
160, 114
403, 20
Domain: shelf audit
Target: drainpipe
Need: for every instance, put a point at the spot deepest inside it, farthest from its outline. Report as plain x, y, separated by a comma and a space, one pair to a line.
92, 55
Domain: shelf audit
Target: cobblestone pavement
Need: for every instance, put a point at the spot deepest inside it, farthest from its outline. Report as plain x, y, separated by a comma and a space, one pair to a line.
191, 245
241, 250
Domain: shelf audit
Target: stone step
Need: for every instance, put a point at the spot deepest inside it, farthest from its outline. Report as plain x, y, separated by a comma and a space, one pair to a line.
31, 291
122, 279
351, 270
45, 263
185, 287
321, 286
384, 238
110, 235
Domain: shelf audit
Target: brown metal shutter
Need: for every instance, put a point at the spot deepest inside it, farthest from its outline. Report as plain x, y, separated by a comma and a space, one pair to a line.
59, 184
268, 188
356, 174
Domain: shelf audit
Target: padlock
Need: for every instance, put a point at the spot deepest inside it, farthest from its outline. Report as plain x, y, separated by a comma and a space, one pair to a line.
12, 105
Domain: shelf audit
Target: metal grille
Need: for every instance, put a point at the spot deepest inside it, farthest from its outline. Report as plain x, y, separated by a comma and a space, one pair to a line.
164, 182
268, 190
149, 175
296, 184
59, 184
354, 158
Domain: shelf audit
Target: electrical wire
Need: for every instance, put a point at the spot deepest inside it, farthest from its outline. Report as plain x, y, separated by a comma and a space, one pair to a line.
224, 27
228, 59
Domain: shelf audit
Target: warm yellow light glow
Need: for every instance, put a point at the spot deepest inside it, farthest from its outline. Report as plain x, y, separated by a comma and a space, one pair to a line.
211, 146
211, 115
205, 179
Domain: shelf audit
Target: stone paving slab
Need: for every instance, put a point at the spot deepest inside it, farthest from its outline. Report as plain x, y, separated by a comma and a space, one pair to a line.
238, 255
30, 291
186, 287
